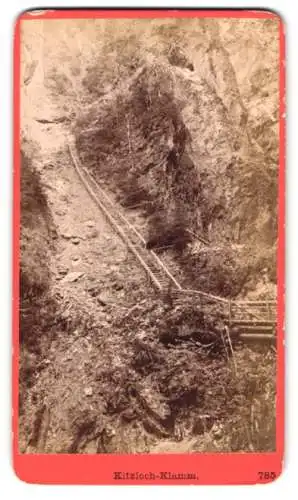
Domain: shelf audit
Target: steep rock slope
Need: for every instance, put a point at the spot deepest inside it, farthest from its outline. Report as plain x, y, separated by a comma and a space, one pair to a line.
38, 306
182, 137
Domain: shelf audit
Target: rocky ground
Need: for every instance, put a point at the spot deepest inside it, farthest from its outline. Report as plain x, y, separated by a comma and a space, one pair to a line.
106, 364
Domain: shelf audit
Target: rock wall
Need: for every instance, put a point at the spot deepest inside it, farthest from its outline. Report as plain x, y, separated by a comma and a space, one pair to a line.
187, 132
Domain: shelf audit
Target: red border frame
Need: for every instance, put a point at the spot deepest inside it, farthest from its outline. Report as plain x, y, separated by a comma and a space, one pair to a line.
234, 468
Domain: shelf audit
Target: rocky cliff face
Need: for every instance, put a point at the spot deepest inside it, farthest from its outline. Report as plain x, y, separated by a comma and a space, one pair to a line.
37, 305
191, 128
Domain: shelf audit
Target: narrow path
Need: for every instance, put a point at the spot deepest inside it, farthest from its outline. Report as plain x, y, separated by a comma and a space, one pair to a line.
94, 280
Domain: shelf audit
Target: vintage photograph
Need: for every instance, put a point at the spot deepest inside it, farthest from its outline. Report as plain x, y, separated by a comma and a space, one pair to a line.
148, 239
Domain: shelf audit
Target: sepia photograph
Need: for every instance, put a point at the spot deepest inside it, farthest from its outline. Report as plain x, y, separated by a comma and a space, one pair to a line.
149, 176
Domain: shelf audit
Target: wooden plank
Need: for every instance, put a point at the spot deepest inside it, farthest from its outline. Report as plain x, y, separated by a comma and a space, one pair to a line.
253, 336
252, 322
207, 295
255, 329
199, 237
253, 302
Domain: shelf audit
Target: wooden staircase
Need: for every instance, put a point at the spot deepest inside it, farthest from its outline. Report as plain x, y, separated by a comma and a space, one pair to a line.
244, 320
252, 321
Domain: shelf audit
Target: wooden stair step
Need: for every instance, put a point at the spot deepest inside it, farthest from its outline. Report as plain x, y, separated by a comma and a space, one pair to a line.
253, 329
252, 322
256, 336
